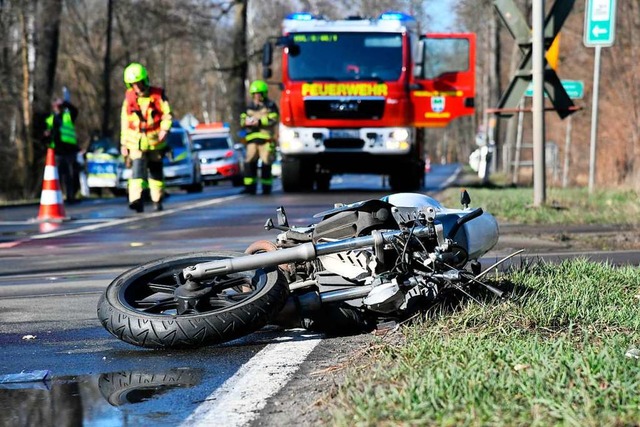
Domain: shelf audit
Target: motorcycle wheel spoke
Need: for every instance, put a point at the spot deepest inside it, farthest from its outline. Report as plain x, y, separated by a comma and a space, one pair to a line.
227, 300
235, 283
157, 306
162, 288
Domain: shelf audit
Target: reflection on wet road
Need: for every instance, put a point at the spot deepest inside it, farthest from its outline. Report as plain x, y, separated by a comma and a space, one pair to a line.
104, 399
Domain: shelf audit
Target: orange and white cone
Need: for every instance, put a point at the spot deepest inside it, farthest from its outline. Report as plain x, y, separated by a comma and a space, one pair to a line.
51, 202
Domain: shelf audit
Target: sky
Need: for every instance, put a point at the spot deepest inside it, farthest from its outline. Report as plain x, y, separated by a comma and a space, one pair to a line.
441, 13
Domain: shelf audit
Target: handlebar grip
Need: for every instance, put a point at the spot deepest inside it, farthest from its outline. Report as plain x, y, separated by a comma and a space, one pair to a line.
462, 220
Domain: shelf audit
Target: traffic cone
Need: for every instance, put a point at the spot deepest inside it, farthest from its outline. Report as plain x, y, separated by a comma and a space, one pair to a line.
51, 204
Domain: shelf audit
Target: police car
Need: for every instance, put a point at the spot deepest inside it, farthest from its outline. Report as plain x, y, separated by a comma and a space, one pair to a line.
103, 166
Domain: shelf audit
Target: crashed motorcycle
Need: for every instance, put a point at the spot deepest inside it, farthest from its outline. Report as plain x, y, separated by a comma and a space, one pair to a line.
359, 264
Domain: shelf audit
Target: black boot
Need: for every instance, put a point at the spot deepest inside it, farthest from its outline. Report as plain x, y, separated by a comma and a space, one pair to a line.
137, 205
249, 189
157, 206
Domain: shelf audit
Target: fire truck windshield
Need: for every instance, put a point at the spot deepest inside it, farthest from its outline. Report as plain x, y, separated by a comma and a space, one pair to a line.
345, 56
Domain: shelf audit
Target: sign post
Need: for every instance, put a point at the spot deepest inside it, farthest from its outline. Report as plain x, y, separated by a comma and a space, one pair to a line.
599, 31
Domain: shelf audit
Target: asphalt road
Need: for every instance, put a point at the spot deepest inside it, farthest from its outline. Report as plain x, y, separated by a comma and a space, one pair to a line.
51, 278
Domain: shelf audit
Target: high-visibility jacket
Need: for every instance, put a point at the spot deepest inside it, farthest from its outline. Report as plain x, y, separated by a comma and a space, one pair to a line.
66, 132
142, 118
268, 116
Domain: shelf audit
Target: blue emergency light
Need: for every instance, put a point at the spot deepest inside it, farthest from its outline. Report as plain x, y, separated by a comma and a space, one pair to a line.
300, 16
395, 16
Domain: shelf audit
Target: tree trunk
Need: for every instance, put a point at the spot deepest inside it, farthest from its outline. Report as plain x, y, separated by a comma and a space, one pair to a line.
106, 76
44, 73
239, 74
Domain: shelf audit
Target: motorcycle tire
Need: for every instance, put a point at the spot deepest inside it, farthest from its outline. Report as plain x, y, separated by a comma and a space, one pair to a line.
139, 306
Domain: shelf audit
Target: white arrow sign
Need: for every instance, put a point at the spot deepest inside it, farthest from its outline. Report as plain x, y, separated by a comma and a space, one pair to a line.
597, 31
599, 22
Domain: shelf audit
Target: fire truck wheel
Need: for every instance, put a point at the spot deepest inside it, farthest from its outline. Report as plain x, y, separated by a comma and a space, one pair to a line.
297, 175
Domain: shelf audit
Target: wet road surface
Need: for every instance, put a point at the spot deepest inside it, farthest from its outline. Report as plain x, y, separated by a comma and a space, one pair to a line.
52, 274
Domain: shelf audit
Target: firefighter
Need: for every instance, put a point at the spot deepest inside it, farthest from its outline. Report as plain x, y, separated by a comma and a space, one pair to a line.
259, 122
61, 132
145, 123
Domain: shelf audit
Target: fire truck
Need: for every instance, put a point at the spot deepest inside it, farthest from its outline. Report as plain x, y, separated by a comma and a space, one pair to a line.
357, 92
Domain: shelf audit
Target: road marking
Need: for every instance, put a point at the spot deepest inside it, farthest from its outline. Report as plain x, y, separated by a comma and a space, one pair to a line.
451, 179
241, 398
94, 227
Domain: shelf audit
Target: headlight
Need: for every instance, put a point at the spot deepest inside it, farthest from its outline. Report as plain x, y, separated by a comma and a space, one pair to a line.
289, 140
400, 135
397, 145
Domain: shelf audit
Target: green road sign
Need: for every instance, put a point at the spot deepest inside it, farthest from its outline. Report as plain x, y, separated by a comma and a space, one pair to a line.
599, 23
574, 88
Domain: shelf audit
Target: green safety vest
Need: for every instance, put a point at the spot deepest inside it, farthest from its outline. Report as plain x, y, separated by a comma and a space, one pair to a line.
67, 129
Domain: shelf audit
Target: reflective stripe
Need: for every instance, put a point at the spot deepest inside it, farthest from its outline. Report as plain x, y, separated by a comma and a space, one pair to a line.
101, 175
180, 156
258, 135
267, 181
249, 180
50, 173
102, 156
51, 197
154, 184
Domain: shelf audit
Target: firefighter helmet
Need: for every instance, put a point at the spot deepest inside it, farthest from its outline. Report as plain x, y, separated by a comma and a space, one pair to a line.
258, 86
135, 73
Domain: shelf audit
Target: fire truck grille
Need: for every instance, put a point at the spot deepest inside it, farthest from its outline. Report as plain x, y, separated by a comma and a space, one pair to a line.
347, 109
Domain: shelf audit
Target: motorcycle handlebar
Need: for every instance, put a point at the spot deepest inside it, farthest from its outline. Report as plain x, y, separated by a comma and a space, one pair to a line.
304, 252
463, 220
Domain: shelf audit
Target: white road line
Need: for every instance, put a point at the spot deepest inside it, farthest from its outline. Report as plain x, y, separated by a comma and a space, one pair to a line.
241, 398
133, 219
451, 179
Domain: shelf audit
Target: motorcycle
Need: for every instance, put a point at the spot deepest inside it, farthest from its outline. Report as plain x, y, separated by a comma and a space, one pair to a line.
360, 264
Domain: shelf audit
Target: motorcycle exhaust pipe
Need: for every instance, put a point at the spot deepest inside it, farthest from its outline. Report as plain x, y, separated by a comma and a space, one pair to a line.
302, 305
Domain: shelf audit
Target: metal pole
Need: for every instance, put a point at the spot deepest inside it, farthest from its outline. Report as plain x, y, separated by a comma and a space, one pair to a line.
567, 149
537, 73
594, 120
516, 161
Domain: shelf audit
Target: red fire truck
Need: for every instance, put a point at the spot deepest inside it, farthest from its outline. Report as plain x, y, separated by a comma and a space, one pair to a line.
355, 93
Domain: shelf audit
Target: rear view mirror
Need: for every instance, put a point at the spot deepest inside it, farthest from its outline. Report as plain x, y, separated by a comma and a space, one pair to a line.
267, 54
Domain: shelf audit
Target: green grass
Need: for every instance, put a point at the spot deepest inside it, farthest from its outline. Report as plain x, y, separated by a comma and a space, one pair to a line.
563, 206
551, 354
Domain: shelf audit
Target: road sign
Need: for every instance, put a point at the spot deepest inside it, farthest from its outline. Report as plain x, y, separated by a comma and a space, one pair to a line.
515, 22
574, 88
599, 23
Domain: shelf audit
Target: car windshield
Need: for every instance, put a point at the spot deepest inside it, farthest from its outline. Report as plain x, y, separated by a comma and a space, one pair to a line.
102, 146
211, 143
176, 140
365, 56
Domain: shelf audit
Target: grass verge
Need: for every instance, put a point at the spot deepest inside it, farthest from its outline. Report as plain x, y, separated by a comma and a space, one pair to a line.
564, 206
553, 353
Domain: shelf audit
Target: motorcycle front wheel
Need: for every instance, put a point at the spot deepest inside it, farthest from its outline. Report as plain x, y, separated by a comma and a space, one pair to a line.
140, 306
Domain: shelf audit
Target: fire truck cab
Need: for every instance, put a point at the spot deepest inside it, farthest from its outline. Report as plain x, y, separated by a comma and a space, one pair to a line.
356, 91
